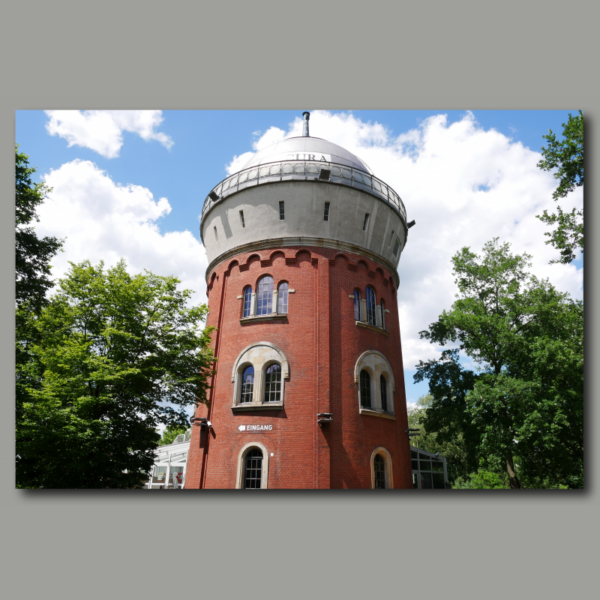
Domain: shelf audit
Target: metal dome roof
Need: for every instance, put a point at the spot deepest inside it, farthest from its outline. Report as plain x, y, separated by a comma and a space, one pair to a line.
307, 148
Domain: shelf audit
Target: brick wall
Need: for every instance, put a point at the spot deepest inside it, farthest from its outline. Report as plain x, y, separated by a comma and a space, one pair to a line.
322, 344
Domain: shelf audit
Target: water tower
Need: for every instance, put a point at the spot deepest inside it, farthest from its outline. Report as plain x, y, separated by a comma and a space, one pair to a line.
303, 245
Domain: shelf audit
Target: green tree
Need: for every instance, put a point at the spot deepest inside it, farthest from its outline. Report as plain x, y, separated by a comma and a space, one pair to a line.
524, 408
118, 355
566, 156
32, 254
32, 267
170, 433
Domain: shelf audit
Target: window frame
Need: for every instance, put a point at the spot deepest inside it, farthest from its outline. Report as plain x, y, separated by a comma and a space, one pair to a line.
280, 297
247, 302
261, 294
241, 466
266, 383
357, 302
261, 356
371, 306
389, 473
244, 367
377, 366
364, 387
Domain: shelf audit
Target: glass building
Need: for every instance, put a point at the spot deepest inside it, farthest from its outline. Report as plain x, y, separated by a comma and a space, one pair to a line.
170, 464
428, 470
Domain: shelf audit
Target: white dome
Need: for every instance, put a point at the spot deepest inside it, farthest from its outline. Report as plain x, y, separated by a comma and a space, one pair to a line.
307, 148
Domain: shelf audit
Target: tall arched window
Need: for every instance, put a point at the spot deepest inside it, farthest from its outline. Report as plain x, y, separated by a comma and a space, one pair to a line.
356, 305
273, 383
365, 389
247, 300
379, 468
247, 385
383, 314
253, 469
371, 306
282, 296
265, 296
383, 386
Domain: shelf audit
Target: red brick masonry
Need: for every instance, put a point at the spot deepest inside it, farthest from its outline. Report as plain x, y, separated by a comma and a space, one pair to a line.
322, 343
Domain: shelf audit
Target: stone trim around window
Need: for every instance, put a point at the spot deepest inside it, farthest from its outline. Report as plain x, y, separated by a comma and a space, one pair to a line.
376, 365
389, 473
377, 413
373, 328
257, 318
264, 480
260, 355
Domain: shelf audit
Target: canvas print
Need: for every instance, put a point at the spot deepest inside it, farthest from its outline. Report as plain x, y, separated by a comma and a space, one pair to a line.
319, 299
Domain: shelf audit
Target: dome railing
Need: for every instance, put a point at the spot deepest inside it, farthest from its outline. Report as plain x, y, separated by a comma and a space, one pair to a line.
303, 170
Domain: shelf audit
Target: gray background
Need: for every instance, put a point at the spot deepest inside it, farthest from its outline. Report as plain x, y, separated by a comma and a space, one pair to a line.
464, 55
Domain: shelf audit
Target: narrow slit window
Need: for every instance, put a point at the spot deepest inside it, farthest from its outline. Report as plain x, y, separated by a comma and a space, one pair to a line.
396, 246
371, 302
382, 314
282, 298
383, 385
216, 236
326, 215
366, 222
282, 211
356, 305
392, 237
247, 301
365, 389
242, 218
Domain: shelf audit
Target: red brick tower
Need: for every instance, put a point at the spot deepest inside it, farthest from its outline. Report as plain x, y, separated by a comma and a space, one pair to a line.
303, 245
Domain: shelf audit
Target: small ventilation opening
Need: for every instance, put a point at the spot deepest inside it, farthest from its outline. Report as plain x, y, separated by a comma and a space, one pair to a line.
366, 222
326, 215
281, 211
242, 218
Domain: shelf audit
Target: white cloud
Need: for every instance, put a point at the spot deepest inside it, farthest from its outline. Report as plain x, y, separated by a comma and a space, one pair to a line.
102, 130
463, 185
103, 220
271, 136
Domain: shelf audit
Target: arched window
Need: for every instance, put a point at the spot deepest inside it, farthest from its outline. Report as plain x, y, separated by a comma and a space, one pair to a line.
373, 365
356, 305
273, 383
247, 385
365, 389
282, 307
247, 300
253, 469
382, 476
371, 306
379, 468
383, 386
383, 314
265, 296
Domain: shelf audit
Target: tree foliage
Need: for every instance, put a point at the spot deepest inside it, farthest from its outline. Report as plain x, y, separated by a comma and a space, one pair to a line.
522, 412
32, 269
32, 254
566, 156
170, 433
117, 354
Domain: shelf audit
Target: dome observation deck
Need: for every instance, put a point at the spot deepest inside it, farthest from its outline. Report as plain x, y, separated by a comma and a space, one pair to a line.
305, 159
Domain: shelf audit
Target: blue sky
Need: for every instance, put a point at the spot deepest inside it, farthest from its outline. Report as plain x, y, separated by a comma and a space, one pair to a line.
465, 176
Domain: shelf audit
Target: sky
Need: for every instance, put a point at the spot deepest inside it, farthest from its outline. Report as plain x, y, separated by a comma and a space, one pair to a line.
131, 184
